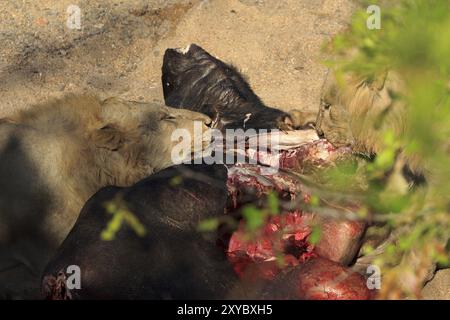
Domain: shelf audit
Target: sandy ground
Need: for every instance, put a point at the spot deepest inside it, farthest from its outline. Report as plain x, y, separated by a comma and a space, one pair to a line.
118, 50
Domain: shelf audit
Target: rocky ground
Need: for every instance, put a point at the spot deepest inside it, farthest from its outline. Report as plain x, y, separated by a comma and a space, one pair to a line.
439, 287
119, 48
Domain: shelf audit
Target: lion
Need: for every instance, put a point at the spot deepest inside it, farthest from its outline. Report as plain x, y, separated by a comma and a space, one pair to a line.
54, 156
357, 111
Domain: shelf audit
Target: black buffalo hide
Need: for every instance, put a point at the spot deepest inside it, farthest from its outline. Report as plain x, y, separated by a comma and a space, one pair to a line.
172, 261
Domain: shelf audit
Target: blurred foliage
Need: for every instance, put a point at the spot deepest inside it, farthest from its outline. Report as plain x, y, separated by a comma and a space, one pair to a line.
316, 234
121, 215
413, 42
212, 224
255, 217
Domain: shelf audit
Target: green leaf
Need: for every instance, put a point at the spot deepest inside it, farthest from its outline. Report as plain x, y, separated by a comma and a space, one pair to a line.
314, 202
176, 181
273, 203
254, 217
121, 215
208, 225
113, 226
316, 234
134, 223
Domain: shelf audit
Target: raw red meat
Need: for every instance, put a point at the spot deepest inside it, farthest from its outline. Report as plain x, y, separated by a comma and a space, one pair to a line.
316, 279
283, 243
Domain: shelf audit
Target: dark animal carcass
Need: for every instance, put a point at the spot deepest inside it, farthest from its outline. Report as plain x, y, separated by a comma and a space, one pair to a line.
195, 80
316, 279
172, 260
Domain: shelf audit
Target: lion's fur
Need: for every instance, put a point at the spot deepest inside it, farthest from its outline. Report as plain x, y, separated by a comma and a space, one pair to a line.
355, 111
54, 156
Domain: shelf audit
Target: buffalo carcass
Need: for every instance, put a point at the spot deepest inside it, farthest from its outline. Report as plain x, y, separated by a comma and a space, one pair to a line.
315, 279
172, 260
195, 80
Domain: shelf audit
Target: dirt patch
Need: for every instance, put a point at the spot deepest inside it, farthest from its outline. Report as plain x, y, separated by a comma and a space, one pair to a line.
119, 48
